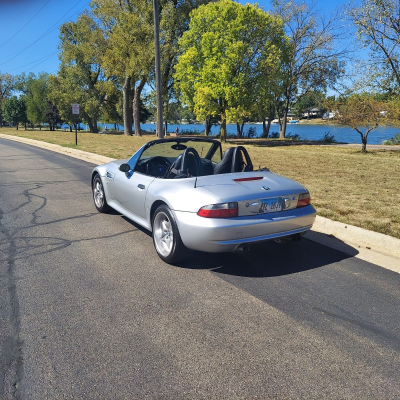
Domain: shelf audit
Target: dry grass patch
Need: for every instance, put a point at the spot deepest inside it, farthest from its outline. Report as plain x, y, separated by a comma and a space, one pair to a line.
345, 185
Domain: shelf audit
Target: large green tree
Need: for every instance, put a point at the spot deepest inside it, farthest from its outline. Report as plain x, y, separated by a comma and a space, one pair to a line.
174, 22
223, 52
7, 83
314, 60
36, 98
81, 78
14, 110
130, 51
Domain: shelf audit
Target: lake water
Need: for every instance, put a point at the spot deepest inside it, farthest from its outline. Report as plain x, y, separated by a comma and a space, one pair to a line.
306, 132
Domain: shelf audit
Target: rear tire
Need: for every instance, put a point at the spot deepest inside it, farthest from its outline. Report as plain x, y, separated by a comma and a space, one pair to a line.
99, 196
166, 238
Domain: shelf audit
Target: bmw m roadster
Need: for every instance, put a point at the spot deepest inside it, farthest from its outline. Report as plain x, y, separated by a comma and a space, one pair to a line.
191, 197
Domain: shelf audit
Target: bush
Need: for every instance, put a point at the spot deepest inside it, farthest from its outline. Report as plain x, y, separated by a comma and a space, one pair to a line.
393, 141
295, 137
183, 132
327, 138
251, 132
274, 135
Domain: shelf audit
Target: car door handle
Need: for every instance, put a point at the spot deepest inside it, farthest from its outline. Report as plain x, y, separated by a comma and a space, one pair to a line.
140, 186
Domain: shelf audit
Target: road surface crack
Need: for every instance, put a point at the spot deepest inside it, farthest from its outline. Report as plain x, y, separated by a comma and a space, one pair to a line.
11, 364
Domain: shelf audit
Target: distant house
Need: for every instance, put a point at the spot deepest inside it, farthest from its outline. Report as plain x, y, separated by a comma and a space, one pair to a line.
314, 112
328, 115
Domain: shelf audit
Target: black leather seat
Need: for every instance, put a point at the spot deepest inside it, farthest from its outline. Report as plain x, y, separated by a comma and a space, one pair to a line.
225, 165
241, 160
187, 164
235, 159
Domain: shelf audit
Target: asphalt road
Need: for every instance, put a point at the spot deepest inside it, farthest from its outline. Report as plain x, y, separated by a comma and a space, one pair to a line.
88, 310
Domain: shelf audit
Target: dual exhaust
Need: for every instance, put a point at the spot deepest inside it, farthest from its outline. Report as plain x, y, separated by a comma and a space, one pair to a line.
249, 248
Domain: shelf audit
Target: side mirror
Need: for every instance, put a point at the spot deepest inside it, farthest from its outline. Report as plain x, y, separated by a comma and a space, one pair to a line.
124, 168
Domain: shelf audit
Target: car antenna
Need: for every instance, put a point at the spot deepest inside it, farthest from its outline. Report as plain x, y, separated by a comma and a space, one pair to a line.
198, 168
197, 174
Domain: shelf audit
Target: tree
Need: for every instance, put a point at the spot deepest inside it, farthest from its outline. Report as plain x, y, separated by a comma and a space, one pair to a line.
130, 51
14, 110
64, 91
52, 115
222, 53
174, 22
363, 113
313, 60
81, 78
377, 23
36, 97
7, 83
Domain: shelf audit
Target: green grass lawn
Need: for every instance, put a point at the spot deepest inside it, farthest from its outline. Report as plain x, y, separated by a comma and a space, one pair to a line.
345, 185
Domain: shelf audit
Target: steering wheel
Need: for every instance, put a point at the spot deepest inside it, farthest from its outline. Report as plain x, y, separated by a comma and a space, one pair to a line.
157, 166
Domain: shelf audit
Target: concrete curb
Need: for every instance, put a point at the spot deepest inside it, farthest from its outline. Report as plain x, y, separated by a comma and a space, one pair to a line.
370, 246
80, 154
358, 236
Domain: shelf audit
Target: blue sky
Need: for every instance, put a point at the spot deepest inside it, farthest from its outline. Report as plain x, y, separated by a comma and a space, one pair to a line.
29, 31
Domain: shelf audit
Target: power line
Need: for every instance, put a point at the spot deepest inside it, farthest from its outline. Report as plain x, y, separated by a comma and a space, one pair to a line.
51, 29
15, 34
46, 57
41, 62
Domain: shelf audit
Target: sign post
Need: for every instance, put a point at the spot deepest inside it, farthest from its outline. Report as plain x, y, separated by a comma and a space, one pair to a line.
75, 111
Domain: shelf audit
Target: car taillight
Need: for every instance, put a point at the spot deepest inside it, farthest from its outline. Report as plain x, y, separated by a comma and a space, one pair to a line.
221, 210
304, 200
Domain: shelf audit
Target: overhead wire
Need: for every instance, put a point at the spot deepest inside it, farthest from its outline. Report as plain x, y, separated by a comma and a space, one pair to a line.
47, 56
51, 29
19, 30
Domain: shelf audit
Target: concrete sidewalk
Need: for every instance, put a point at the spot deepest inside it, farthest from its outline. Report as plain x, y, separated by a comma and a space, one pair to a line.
369, 246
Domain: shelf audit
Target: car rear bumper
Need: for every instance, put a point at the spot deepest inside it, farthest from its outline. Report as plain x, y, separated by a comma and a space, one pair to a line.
215, 235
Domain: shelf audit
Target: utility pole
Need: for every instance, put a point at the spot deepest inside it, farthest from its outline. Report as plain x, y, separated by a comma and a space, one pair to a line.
160, 131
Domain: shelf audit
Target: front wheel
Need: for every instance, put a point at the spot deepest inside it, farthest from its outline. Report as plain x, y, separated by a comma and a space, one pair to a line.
99, 197
166, 237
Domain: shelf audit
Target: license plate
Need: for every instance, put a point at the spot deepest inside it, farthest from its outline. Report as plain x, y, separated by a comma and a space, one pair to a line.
271, 205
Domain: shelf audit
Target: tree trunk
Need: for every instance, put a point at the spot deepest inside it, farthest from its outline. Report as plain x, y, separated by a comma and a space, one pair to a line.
222, 131
239, 129
115, 126
166, 127
17, 125
136, 107
40, 127
94, 122
282, 131
266, 127
91, 128
364, 146
208, 125
126, 89
283, 122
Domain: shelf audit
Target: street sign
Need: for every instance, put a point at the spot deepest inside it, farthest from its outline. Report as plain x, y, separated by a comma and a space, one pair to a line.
75, 109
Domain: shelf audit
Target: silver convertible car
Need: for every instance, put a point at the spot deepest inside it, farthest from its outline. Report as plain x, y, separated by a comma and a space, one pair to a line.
192, 198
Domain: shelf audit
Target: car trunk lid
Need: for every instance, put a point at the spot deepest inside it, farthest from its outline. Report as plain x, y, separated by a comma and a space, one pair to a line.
255, 192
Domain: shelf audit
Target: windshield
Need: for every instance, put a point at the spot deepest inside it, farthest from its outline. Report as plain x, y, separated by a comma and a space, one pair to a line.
172, 150
181, 158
